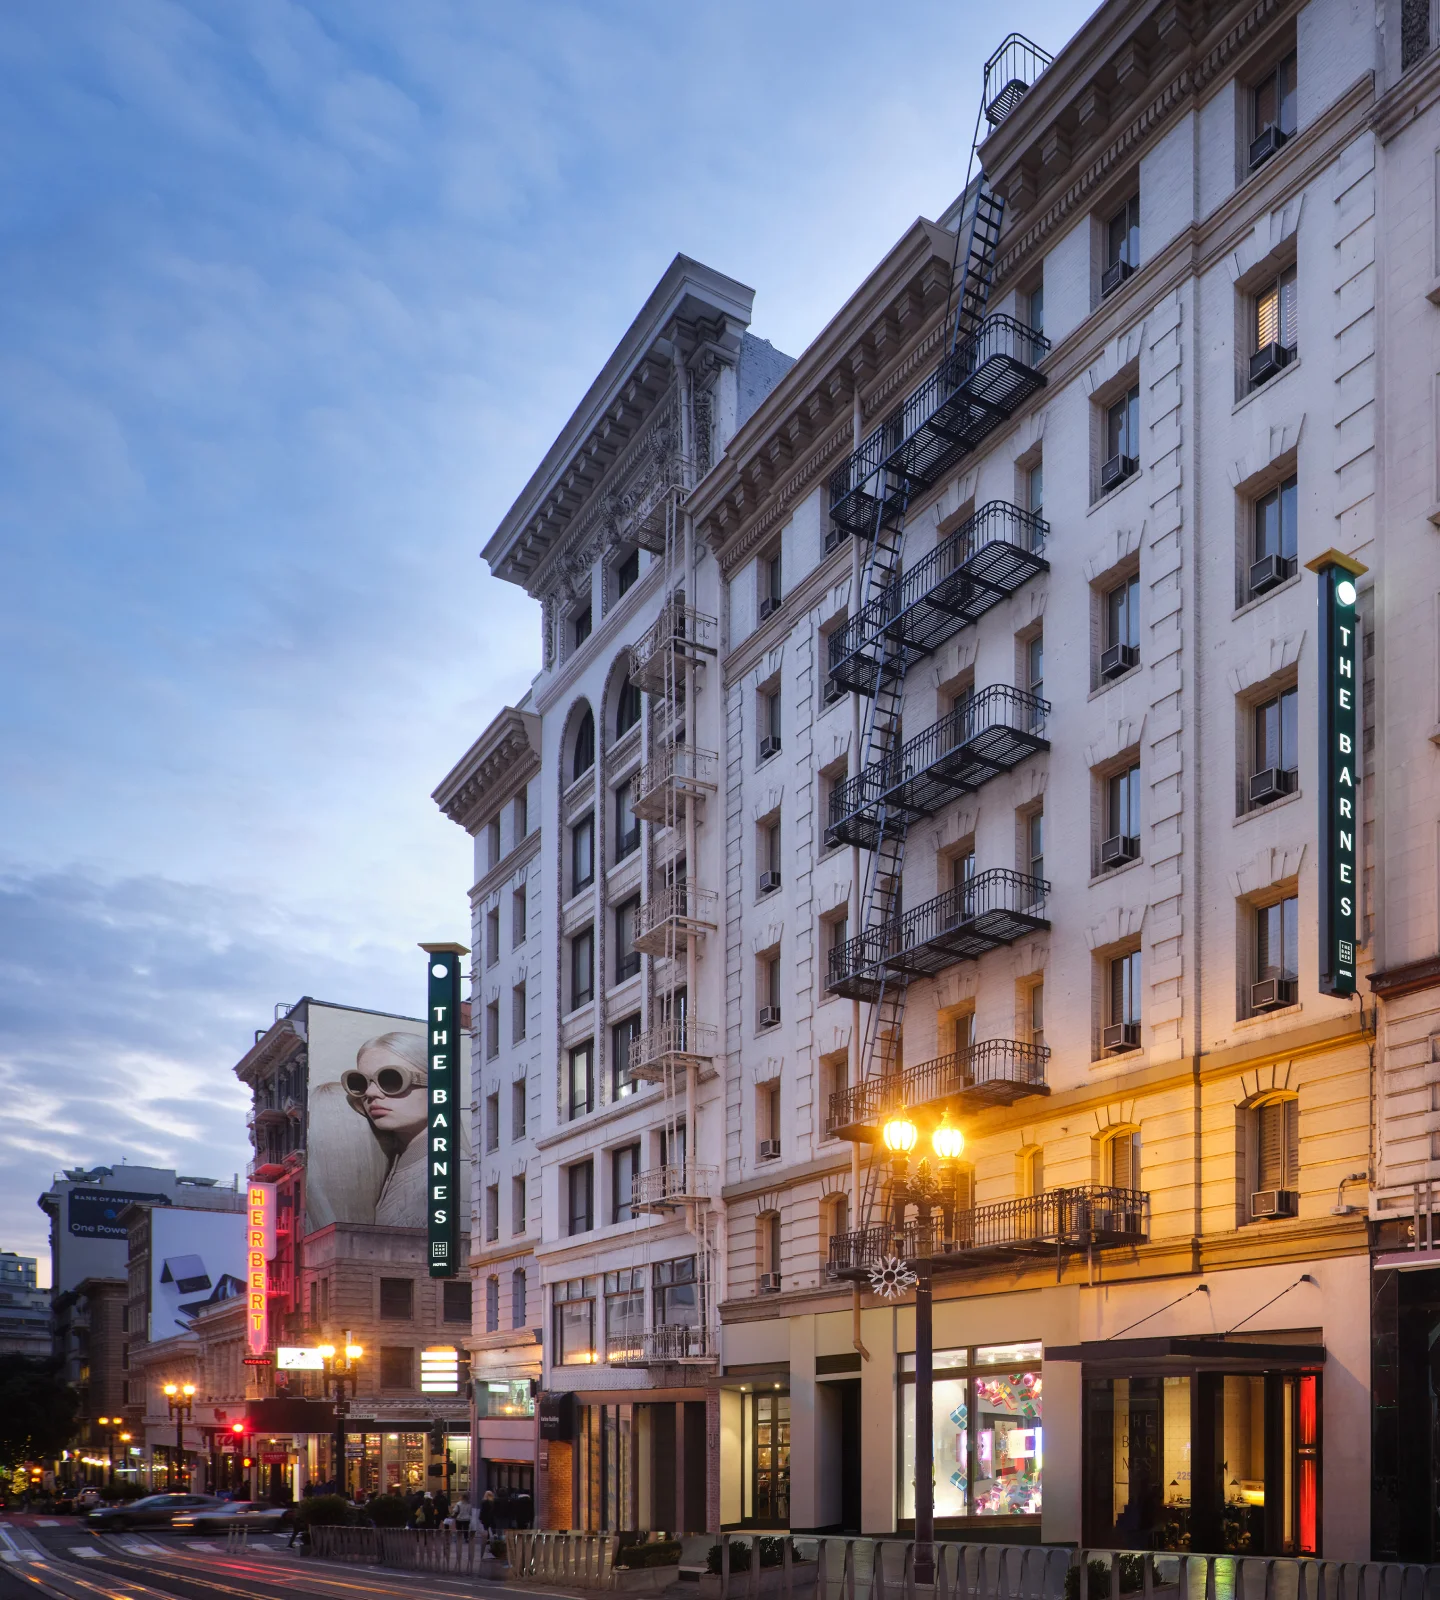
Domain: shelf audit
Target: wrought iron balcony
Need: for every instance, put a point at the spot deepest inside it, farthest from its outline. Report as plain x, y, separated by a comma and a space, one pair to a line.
675, 773
969, 394
991, 1072
989, 556
1077, 1217
671, 914
667, 1344
676, 1045
678, 632
993, 908
994, 732
660, 1188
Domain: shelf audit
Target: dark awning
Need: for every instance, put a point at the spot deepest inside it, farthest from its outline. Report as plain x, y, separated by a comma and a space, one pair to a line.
1213, 1350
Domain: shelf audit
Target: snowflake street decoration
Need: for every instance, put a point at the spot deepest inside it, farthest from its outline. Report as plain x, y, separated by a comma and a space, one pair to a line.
891, 1278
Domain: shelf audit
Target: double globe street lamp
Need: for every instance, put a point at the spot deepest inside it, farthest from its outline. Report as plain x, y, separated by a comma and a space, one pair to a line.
341, 1371
180, 1398
912, 1247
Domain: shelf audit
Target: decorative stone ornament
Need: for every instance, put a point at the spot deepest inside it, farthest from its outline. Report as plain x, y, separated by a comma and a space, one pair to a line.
892, 1278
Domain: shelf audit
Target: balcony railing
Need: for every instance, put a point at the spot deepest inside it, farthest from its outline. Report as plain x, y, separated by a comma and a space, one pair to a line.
1076, 1217
992, 1072
994, 732
679, 631
992, 908
968, 395
670, 914
989, 556
679, 1043
663, 1345
659, 1188
674, 773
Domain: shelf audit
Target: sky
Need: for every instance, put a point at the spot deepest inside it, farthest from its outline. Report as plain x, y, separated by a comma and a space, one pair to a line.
293, 298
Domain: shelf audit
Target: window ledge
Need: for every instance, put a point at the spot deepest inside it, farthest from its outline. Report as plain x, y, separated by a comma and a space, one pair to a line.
1432, 294
1119, 489
1121, 1058
1116, 872
1269, 1016
1266, 388
1274, 805
1107, 684
1259, 599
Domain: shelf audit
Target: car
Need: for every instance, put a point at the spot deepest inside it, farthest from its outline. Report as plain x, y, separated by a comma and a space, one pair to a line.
154, 1511
88, 1499
259, 1516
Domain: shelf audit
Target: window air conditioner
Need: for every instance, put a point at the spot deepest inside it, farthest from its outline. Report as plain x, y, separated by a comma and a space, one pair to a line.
1122, 848
1121, 1036
769, 1016
1118, 660
769, 882
768, 606
834, 691
1272, 993
1113, 276
1269, 572
769, 1149
1116, 470
769, 1283
769, 746
1274, 1203
1266, 362
1265, 144
1271, 784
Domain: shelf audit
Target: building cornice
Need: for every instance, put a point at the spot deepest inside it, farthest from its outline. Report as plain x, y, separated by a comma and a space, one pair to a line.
1411, 978
506, 868
504, 757
1417, 91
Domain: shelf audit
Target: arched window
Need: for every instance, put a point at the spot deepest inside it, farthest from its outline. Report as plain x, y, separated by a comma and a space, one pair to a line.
492, 1304
1274, 1158
1032, 1171
627, 707
583, 757
517, 1298
1122, 1160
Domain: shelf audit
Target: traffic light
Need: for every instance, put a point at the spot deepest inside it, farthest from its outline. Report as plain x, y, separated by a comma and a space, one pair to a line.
437, 1436
237, 1427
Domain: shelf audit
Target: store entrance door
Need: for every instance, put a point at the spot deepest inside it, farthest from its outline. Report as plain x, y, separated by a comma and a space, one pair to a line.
768, 1438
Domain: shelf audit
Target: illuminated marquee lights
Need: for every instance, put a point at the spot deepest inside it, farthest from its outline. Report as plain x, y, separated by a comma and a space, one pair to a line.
442, 1155
259, 1249
440, 1370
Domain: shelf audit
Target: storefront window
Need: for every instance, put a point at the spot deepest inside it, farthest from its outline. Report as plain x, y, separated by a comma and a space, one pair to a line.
625, 1314
987, 1430
575, 1322
504, 1397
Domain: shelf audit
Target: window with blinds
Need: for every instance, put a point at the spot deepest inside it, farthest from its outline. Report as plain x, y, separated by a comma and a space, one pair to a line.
1124, 1163
1277, 1145
1275, 313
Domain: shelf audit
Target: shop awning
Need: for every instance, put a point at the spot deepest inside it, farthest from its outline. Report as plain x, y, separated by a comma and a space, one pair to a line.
1213, 1351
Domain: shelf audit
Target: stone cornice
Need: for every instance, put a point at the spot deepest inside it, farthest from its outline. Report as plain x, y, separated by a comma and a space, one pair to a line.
506, 868
1416, 92
503, 758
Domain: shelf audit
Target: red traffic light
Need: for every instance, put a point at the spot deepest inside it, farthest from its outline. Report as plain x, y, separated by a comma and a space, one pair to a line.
237, 1427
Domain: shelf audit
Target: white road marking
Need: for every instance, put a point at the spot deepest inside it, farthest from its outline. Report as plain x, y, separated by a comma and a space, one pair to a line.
85, 1553
9, 1555
46, 1523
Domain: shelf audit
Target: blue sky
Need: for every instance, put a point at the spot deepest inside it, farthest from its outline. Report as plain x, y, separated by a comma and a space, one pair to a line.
292, 299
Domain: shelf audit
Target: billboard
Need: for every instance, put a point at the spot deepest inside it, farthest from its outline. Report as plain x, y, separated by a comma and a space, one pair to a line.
95, 1213
197, 1259
365, 1145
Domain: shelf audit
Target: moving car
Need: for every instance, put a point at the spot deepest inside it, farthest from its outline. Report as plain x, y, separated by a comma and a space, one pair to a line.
259, 1516
154, 1511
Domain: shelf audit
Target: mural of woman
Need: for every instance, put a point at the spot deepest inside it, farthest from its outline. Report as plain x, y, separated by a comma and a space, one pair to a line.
386, 1086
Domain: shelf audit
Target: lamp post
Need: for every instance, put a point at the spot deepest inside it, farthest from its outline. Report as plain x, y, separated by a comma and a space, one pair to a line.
341, 1371
179, 1397
110, 1424
923, 1190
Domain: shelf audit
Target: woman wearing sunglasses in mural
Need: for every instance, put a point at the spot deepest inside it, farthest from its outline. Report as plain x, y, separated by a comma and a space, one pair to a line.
387, 1087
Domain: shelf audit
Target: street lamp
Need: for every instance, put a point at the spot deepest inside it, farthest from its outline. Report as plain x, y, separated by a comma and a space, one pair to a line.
924, 1190
109, 1424
179, 1397
341, 1372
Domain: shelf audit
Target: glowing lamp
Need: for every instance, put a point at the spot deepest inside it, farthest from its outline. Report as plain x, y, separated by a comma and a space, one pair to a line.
187, 1389
353, 1352
172, 1388
947, 1142
237, 1427
900, 1134
125, 1438
326, 1350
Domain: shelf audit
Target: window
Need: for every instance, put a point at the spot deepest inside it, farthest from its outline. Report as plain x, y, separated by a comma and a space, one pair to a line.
517, 1109
1276, 1141
1122, 1161
1273, 550
492, 936
518, 919
522, 816
836, 932
622, 1046
580, 1185
767, 1120
1122, 246
580, 627
397, 1366
627, 573
1277, 956
582, 1079
1033, 1162
1122, 819
1035, 313
625, 1313
1274, 747
672, 1147
1272, 111
837, 1215
627, 708
677, 1295
517, 1013
770, 1250
492, 1122
1122, 616
769, 723
492, 1304
769, 991
517, 1205
584, 756
627, 958
1035, 844
1275, 313
582, 968
769, 862
493, 840
575, 1321
769, 572
397, 1299
627, 824
1121, 446
492, 1030
582, 854
1122, 1003
517, 1298
962, 869
1035, 489
492, 1213
1037, 1014
624, 1165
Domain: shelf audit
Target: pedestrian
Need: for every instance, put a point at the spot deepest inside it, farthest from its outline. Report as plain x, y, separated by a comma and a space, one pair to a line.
462, 1518
488, 1514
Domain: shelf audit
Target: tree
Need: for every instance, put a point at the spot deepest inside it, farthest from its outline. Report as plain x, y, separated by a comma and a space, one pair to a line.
37, 1410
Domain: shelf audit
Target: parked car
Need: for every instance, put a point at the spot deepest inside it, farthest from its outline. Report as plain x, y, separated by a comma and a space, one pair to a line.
154, 1511
259, 1516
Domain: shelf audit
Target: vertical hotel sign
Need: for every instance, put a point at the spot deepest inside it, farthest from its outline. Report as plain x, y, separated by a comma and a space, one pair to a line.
1339, 769
443, 1090
259, 1249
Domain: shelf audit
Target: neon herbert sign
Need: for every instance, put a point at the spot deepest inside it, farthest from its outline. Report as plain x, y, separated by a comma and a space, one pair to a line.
442, 1152
259, 1248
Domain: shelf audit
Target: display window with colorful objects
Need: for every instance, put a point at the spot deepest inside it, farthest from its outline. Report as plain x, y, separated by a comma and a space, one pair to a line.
989, 1439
